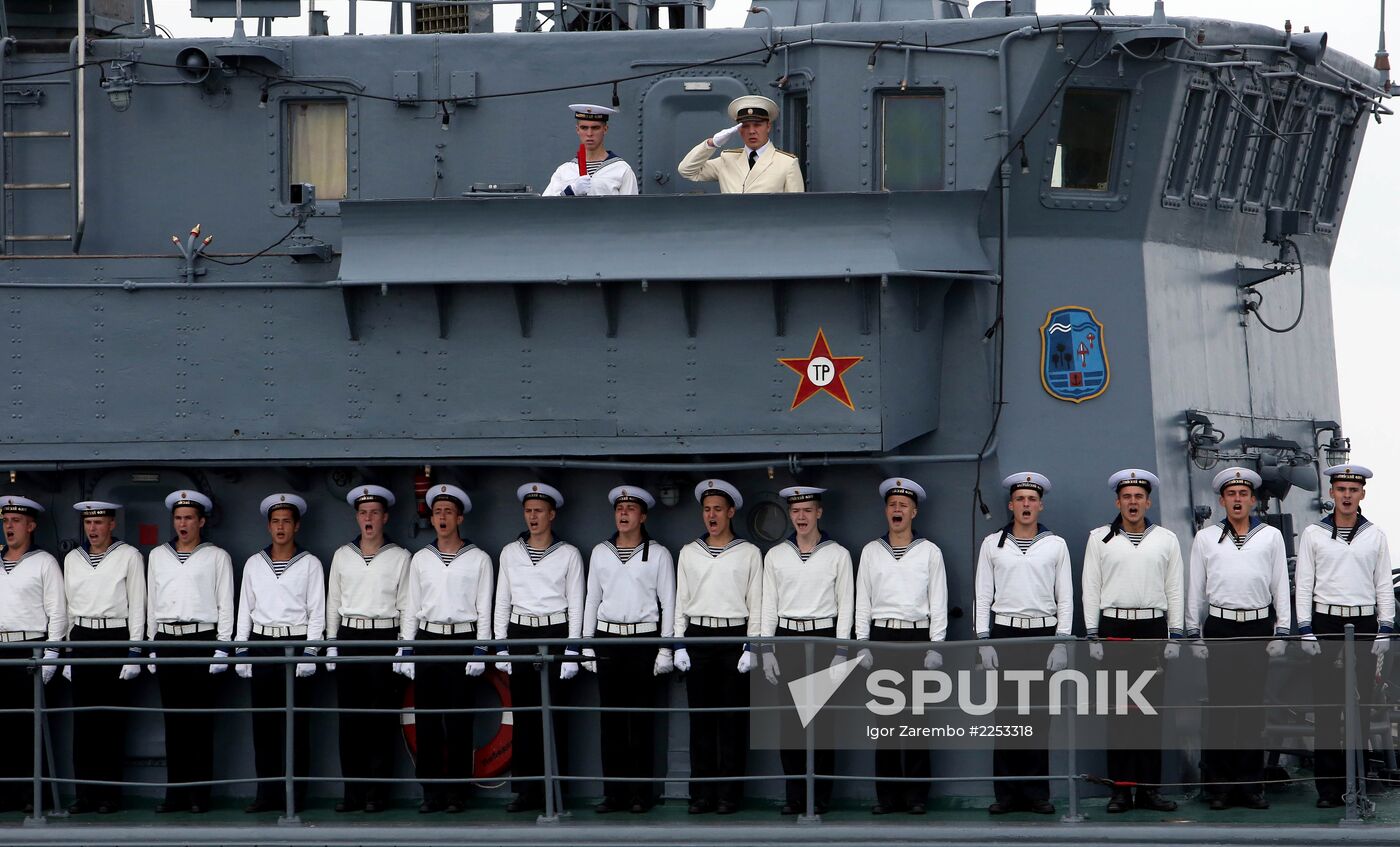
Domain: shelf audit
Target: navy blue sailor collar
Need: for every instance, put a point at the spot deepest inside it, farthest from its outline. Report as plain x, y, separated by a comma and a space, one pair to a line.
1330, 523
1041, 531
1227, 531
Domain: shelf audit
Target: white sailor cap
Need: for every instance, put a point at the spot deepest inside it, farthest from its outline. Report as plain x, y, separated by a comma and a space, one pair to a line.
370, 494
1349, 473
1134, 476
189, 497
590, 112
907, 487
801, 493
97, 508
12, 504
449, 492
752, 107
540, 491
718, 486
1029, 480
1236, 476
631, 494
282, 501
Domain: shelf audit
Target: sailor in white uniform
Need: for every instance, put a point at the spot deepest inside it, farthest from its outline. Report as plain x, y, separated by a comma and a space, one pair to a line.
282, 599
1024, 589
367, 600
449, 602
808, 590
1133, 589
31, 609
756, 168
719, 594
189, 597
631, 594
606, 172
1238, 579
901, 595
1342, 576
539, 594
104, 583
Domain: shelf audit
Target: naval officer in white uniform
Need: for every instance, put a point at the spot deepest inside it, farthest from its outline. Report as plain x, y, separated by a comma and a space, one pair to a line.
756, 168
607, 173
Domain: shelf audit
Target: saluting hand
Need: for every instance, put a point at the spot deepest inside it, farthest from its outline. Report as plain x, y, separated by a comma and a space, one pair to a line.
722, 137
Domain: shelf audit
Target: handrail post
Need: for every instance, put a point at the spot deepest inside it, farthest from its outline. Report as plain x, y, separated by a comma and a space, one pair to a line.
1071, 757
289, 811
1352, 733
36, 815
809, 814
551, 812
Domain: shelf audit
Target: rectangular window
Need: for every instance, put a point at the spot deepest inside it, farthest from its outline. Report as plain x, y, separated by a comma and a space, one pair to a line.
317, 148
1088, 139
911, 141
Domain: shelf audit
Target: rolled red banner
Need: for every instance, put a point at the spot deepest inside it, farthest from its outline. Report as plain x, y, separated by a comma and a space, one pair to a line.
582, 160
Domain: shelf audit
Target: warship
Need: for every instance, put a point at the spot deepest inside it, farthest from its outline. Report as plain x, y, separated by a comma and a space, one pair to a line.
1071, 243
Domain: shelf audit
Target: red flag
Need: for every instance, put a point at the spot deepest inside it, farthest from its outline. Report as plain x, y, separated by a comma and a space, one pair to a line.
582, 160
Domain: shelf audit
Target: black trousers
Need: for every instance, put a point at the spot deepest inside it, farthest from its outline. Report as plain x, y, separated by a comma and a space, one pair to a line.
1227, 754
444, 740
189, 736
269, 684
367, 739
1128, 763
628, 739
1015, 756
527, 738
1329, 693
17, 753
719, 741
892, 760
99, 737
792, 664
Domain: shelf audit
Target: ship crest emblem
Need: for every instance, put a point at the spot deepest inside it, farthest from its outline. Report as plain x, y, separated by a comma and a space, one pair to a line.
1073, 358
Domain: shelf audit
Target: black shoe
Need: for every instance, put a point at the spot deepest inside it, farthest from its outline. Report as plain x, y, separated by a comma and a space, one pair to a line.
1148, 798
1042, 807
918, 809
1001, 807
1121, 801
700, 807
427, 808
525, 803
349, 806
80, 807
107, 808
373, 806
1255, 801
726, 808
1218, 804
607, 807
1329, 802
789, 809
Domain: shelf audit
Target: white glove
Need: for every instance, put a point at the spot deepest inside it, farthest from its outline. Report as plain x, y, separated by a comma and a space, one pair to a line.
1199, 650
50, 670
68, 672
305, 669
592, 667
1378, 647
745, 661
151, 668
988, 654
403, 668
1311, 645
331, 653
770, 667
219, 667
569, 670
1276, 647
582, 185
1058, 660
933, 660
244, 671
504, 667
129, 672
722, 137
1172, 650
476, 668
664, 662
866, 659
682, 660
1096, 650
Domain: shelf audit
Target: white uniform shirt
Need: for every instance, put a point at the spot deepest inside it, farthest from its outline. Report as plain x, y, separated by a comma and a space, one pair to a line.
1118, 575
821, 587
913, 587
633, 591
728, 584
450, 588
614, 177
296, 598
1329, 570
114, 588
555, 584
1035, 584
31, 597
773, 171
199, 590
1250, 577
377, 588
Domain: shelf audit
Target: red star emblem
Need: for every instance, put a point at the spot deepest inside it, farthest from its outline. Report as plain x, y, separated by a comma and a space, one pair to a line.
821, 371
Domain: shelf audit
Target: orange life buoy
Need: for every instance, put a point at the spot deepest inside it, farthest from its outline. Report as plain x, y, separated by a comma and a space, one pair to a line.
493, 757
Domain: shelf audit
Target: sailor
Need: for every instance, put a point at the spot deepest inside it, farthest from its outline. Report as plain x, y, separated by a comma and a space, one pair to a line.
719, 594
901, 595
631, 594
757, 168
808, 591
449, 602
1133, 590
189, 597
1024, 589
104, 582
1239, 576
282, 599
599, 170
31, 609
366, 600
1342, 576
540, 594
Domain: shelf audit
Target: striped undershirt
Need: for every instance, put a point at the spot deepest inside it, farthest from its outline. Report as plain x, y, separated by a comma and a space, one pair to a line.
9, 566
805, 556
280, 568
1345, 533
899, 552
624, 554
594, 166
183, 557
714, 551
535, 554
1134, 537
95, 559
1239, 541
1024, 544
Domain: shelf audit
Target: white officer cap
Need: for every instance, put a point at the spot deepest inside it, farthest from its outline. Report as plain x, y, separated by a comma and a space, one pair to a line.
631, 494
752, 107
590, 112
189, 497
801, 493
720, 487
449, 492
1134, 476
282, 501
370, 494
1236, 476
13, 504
97, 509
1029, 480
540, 491
907, 487
1349, 473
